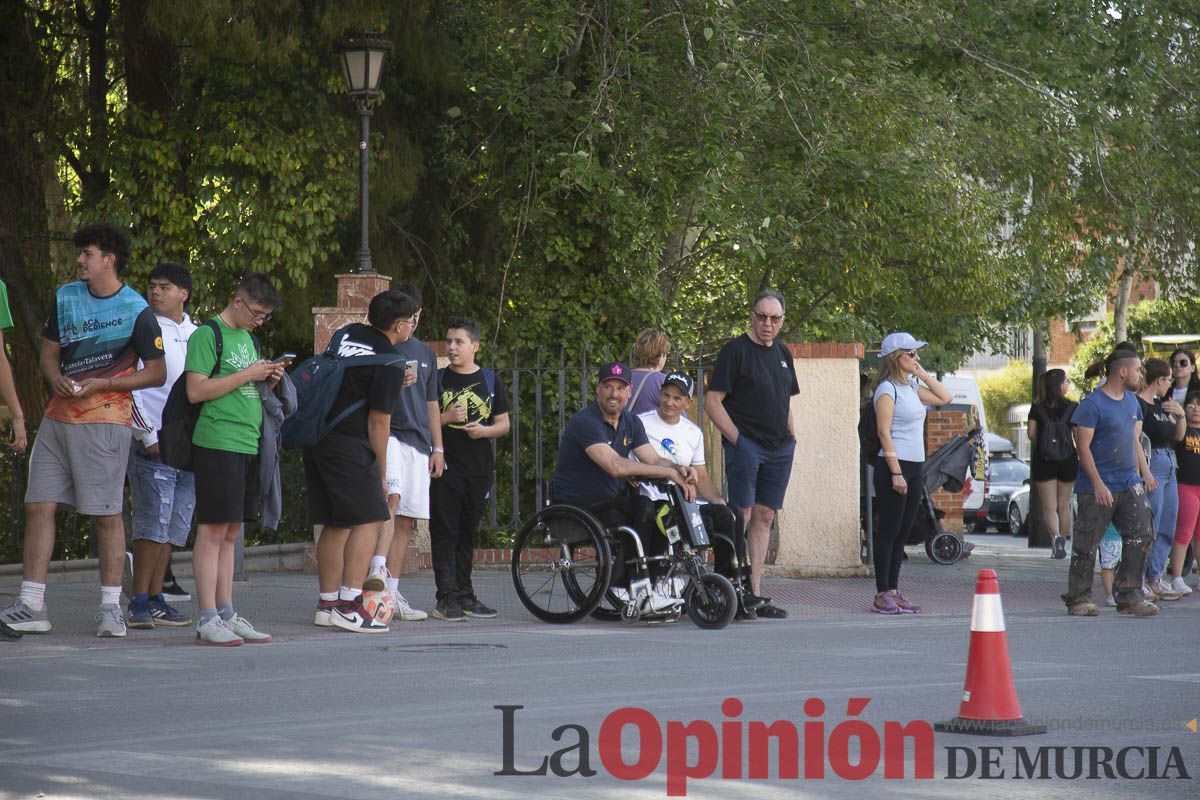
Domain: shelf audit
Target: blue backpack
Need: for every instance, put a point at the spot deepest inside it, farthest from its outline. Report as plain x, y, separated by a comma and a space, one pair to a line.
318, 382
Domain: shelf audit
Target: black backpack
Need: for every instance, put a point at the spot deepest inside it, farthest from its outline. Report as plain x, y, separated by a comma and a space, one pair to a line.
868, 432
318, 383
1054, 442
180, 415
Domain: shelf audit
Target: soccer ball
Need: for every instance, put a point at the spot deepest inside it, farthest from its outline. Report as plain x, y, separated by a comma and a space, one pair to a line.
378, 606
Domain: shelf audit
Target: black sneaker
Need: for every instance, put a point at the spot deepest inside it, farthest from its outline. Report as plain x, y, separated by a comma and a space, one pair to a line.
770, 612
449, 610
746, 615
174, 593
1060, 547
473, 608
751, 600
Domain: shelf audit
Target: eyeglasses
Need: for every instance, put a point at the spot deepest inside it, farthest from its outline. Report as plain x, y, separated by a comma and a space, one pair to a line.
774, 319
259, 317
911, 353
413, 320
1183, 362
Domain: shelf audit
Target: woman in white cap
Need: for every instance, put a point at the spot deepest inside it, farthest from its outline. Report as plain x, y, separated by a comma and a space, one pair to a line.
902, 390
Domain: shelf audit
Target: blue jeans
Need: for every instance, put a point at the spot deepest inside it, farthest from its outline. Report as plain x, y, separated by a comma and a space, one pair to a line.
1164, 502
163, 499
756, 475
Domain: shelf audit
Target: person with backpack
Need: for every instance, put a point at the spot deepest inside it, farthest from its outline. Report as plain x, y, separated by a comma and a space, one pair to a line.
220, 378
345, 471
1054, 464
1164, 425
474, 411
902, 390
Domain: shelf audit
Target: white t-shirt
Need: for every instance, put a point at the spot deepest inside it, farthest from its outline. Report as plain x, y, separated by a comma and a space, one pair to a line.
682, 443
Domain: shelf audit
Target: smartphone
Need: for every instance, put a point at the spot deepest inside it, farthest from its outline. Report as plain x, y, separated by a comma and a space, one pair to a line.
410, 365
284, 357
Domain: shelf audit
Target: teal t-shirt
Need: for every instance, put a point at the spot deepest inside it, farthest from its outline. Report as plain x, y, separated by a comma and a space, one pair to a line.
231, 422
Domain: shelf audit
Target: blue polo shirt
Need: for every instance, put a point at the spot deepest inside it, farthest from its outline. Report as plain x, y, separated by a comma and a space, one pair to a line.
1112, 443
576, 475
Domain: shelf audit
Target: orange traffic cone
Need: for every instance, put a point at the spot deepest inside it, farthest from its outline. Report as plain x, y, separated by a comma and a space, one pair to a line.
989, 703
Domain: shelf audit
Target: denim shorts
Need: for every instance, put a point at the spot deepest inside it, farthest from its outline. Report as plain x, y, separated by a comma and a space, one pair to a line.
756, 475
163, 499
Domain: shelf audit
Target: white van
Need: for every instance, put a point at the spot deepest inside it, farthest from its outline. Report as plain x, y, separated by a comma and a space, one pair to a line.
966, 395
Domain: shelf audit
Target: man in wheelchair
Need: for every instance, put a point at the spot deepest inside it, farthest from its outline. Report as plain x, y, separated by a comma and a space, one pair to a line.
679, 440
594, 468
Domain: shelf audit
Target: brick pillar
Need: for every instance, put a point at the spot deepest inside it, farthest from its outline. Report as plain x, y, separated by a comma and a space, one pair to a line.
354, 296
941, 427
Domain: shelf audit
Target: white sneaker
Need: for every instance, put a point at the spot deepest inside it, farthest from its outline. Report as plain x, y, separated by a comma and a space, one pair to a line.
217, 633
406, 612
1110, 601
1178, 585
1163, 590
376, 579
111, 622
659, 603
240, 626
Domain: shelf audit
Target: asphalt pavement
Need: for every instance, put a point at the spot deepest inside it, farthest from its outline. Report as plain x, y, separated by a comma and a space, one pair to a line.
319, 713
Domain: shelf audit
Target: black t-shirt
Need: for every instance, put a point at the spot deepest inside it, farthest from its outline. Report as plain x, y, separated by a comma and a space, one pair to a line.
1188, 454
378, 385
470, 456
1157, 424
758, 383
576, 475
1040, 414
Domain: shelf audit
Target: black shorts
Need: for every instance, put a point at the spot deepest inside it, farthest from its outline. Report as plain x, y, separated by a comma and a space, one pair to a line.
1064, 471
227, 486
345, 487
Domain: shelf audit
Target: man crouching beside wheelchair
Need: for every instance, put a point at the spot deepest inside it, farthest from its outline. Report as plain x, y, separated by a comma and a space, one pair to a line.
594, 466
679, 440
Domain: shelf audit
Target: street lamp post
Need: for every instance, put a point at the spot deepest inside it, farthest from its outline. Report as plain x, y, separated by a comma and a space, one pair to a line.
362, 66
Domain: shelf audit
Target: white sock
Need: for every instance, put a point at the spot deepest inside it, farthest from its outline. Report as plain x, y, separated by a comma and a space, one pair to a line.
328, 597
347, 594
33, 594
393, 585
110, 595
378, 561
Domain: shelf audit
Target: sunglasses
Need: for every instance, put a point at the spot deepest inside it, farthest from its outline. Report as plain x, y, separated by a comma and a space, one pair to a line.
911, 353
1183, 362
774, 319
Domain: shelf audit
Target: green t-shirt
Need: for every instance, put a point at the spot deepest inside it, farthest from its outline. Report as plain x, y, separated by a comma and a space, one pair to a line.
232, 421
5, 315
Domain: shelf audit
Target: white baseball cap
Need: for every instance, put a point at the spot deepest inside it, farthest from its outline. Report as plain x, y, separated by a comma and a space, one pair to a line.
900, 341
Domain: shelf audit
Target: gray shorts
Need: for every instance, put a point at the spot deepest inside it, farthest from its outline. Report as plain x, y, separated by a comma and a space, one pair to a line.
79, 465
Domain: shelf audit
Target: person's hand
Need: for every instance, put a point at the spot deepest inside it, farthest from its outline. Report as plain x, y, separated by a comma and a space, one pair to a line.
19, 440
152, 450
899, 485
410, 377
89, 386
475, 430
262, 370
689, 491
688, 474
437, 464
64, 386
1104, 497
456, 413
1173, 408
1150, 481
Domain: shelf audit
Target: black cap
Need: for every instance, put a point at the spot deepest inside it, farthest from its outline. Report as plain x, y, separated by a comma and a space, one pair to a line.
680, 381
615, 371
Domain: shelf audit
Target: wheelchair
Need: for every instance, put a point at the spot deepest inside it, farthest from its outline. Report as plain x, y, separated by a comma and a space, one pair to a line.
564, 559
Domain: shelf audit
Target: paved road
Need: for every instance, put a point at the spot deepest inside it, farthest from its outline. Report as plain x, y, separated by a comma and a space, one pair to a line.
320, 714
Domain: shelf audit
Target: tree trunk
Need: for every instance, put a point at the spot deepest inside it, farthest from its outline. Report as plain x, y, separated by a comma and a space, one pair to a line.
1038, 536
1121, 301
95, 178
24, 247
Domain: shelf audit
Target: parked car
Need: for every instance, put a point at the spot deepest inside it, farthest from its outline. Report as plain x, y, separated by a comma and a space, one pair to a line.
1018, 509
978, 516
1005, 477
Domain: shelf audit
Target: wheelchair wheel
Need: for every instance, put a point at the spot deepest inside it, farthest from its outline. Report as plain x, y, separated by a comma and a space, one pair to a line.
561, 564
713, 605
944, 548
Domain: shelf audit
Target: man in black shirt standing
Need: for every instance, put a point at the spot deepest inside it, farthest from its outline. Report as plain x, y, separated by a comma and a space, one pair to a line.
749, 400
474, 410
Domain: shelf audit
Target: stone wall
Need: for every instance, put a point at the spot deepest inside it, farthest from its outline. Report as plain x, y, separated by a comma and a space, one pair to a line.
818, 527
941, 427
